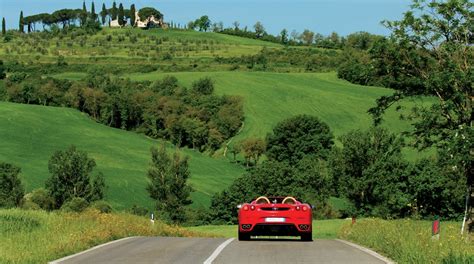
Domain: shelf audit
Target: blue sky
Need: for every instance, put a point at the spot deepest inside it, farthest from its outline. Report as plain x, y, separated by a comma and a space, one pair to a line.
323, 16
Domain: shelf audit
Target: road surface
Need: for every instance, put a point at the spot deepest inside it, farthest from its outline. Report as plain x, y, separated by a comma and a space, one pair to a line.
221, 250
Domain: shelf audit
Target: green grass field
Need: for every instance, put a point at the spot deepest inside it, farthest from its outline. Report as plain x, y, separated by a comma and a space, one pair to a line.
30, 134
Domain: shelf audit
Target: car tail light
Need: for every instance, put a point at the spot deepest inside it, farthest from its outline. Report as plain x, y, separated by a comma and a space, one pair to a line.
304, 208
297, 208
246, 207
252, 207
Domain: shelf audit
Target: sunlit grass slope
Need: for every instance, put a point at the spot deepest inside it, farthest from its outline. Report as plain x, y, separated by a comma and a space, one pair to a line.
30, 134
272, 97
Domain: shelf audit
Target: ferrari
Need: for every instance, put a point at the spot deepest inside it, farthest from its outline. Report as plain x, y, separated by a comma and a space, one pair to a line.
275, 216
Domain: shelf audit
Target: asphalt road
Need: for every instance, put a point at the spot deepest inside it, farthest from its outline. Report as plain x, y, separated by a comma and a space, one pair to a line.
221, 250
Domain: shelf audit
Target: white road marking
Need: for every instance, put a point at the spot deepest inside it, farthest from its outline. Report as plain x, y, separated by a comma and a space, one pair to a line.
368, 251
90, 249
218, 250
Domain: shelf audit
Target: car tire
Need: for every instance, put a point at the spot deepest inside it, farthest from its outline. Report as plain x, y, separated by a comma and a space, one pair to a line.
244, 236
307, 237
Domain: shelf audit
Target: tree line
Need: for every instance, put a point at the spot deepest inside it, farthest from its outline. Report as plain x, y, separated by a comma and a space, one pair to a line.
192, 117
429, 53
87, 19
368, 170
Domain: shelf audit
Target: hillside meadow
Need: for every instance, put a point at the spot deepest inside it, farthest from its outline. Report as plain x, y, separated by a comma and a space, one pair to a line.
30, 134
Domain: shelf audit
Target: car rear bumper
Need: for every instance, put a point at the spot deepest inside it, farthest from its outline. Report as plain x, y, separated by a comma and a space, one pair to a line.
286, 229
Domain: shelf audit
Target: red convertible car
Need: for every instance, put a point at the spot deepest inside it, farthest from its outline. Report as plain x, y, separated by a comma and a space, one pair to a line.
275, 216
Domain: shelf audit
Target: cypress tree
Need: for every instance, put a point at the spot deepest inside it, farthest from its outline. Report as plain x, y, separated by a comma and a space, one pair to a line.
132, 15
103, 14
121, 15
21, 23
93, 15
4, 27
113, 12
83, 14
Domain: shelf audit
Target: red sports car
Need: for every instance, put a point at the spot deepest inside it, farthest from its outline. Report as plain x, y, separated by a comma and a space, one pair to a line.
275, 216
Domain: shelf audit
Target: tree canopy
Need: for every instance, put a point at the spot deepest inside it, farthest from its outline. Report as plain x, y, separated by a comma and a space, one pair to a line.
299, 136
148, 12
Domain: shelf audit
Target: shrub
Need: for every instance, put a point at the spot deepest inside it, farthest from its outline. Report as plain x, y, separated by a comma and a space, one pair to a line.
138, 210
41, 198
76, 204
102, 206
11, 189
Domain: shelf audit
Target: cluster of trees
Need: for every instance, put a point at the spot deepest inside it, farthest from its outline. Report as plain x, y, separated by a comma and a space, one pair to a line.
65, 18
202, 24
287, 59
87, 19
368, 170
192, 117
71, 185
430, 53
297, 152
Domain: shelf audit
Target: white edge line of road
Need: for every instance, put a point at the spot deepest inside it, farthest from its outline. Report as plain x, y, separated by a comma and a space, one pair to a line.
218, 250
90, 249
368, 251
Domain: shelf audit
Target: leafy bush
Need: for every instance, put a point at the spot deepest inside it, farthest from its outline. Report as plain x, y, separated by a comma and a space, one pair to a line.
102, 206
41, 198
76, 204
11, 189
138, 210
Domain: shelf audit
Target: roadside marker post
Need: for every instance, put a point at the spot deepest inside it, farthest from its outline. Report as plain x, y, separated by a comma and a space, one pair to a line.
435, 228
152, 218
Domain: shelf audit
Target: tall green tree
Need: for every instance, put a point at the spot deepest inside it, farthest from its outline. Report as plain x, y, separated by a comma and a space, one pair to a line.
103, 14
4, 27
299, 136
22, 23
252, 148
168, 185
83, 14
307, 37
71, 177
11, 189
93, 14
2, 71
121, 15
284, 36
132, 15
434, 45
114, 11
370, 171
259, 30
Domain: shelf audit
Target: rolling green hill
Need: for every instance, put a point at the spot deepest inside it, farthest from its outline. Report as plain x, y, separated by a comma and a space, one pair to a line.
272, 97
30, 134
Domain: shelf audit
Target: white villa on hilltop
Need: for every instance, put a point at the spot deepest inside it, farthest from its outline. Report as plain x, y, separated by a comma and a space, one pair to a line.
150, 21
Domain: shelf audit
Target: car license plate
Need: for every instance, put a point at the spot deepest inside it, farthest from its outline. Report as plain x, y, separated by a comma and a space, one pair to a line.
275, 219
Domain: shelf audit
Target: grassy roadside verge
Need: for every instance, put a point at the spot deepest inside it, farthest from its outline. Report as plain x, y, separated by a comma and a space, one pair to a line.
39, 237
409, 241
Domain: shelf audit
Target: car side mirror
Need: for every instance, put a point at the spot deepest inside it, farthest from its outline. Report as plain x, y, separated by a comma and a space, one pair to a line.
239, 206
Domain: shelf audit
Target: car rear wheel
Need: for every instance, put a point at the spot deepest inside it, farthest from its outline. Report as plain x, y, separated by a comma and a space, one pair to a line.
307, 237
244, 236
